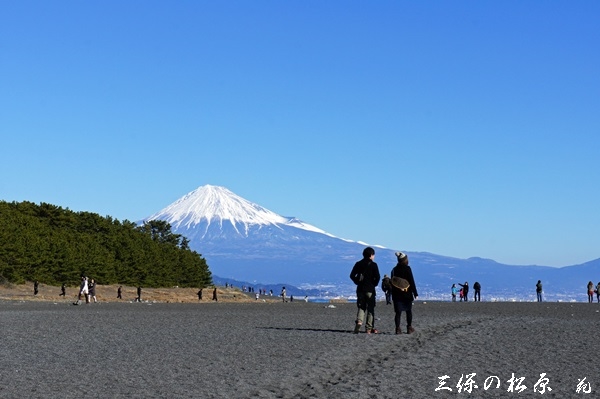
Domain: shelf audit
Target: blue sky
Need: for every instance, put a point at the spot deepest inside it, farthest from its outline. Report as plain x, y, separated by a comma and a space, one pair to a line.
463, 128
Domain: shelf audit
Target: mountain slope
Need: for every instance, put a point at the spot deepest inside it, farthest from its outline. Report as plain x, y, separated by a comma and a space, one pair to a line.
244, 241
209, 205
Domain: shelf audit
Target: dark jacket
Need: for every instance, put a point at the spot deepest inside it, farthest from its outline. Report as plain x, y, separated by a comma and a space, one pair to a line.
386, 284
405, 272
365, 275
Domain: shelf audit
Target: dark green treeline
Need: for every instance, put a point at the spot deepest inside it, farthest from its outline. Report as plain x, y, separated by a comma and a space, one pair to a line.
54, 245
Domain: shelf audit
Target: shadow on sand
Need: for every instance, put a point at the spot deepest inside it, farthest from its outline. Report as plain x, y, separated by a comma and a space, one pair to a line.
315, 330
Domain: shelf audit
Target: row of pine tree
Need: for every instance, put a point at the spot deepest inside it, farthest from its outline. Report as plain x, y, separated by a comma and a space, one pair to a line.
54, 246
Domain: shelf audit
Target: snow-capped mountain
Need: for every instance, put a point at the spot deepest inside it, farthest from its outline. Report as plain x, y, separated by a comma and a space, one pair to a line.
214, 204
247, 242
243, 241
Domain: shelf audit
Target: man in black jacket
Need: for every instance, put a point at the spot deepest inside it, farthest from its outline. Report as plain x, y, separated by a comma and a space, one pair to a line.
477, 288
403, 295
365, 275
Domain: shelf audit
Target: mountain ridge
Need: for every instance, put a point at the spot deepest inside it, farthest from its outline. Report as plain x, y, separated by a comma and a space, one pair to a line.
244, 241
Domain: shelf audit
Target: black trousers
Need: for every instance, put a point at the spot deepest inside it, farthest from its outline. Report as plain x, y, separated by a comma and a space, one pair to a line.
400, 307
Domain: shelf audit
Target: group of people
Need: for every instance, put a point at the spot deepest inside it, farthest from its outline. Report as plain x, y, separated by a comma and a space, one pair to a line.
251, 290
463, 292
214, 294
400, 289
591, 290
139, 293
87, 289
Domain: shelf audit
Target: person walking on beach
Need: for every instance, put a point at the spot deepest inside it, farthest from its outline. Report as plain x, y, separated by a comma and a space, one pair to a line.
598, 292
83, 290
590, 292
120, 292
454, 291
283, 294
200, 294
215, 295
365, 274
386, 287
63, 290
92, 291
465, 289
404, 292
36, 285
477, 289
139, 294
538, 290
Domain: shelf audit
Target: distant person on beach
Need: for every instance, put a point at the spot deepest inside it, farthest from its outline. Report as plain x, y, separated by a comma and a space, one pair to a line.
538, 290
139, 294
465, 290
454, 291
214, 298
590, 292
460, 294
365, 274
83, 290
477, 289
283, 294
598, 292
36, 285
120, 292
200, 294
92, 291
63, 290
386, 287
404, 292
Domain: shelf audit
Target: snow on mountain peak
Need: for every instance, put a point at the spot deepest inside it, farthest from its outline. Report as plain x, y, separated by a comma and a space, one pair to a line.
217, 204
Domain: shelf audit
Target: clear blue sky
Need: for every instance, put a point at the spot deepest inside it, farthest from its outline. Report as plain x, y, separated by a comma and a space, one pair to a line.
462, 128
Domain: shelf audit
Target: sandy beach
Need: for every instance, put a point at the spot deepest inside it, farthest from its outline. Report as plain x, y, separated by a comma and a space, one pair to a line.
295, 350
108, 293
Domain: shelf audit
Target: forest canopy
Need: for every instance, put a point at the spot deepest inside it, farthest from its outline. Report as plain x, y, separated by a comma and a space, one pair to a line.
54, 245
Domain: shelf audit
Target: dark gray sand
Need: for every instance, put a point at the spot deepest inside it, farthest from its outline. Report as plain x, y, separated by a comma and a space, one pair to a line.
296, 350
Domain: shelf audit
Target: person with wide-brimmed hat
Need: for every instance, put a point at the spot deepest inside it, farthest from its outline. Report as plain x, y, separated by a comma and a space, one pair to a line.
365, 274
404, 292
